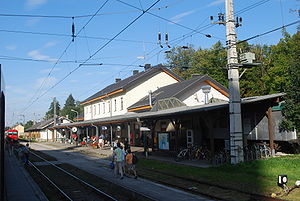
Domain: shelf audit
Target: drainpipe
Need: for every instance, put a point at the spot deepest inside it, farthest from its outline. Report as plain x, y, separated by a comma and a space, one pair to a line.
111, 134
97, 131
150, 98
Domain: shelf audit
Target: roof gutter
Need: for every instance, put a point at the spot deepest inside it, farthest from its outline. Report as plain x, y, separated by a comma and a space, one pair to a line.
103, 96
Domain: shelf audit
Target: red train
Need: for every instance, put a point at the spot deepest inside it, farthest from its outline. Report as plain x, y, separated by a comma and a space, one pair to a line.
12, 134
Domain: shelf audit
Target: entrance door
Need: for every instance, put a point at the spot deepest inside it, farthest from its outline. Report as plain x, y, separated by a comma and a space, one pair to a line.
189, 138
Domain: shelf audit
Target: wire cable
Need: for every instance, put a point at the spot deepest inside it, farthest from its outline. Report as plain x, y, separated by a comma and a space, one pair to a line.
103, 46
183, 26
42, 84
69, 35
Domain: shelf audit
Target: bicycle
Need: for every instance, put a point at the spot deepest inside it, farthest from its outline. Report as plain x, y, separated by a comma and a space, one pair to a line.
182, 155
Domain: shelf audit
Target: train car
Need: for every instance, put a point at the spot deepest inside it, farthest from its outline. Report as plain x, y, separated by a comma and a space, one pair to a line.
2, 122
12, 134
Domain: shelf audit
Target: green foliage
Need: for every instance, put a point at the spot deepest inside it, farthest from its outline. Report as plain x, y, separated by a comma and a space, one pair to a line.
292, 107
187, 62
50, 113
180, 60
279, 71
211, 62
28, 124
68, 107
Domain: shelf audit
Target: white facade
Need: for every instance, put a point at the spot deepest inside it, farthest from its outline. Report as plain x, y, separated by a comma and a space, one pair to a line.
198, 98
46, 135
118, 104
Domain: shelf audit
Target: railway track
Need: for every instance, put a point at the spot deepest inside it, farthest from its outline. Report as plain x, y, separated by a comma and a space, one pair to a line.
190, 185
72, 187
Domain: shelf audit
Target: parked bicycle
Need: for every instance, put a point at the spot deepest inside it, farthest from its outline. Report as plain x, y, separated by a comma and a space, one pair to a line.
183, 154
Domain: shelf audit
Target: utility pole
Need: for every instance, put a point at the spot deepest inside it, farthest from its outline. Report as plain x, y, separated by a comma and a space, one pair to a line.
54, 115
236, 134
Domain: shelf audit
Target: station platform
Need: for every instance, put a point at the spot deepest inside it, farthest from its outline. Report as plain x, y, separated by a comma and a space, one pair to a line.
19, 186
98, 165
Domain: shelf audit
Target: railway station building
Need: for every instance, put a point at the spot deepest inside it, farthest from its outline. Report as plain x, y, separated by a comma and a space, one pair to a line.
159, 110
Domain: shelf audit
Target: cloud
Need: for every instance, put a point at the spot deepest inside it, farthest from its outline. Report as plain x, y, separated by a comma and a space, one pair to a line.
30, 4
35, 54
177, 18
50, 44
17, 90
215, 3
50, 81
48, 70
11, 47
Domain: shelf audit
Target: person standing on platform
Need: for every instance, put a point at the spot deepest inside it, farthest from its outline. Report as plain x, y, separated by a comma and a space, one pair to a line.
119, 155
129, 162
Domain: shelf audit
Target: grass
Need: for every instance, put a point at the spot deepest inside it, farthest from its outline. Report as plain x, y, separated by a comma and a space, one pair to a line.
258, 176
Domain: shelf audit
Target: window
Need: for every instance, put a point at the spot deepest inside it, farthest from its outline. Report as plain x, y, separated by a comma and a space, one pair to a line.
99, 108
90, 109
86, 110
103, 108
115, 104
122, 103
94, 109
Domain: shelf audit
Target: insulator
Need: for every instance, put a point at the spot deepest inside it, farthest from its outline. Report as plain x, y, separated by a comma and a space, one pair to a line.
211, 18
208, 35
222, 18
241, 20
167, 38
73, 30
159, 37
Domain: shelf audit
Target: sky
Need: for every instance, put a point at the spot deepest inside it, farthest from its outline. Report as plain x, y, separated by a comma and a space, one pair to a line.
40, 61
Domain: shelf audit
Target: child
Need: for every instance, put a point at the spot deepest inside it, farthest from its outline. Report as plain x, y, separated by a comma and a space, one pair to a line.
130, 165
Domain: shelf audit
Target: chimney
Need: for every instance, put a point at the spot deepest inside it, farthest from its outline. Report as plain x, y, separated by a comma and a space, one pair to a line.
118, 80
135, 72
147, 66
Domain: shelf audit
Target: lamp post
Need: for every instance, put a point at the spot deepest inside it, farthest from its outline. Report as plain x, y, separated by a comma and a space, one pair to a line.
76, 113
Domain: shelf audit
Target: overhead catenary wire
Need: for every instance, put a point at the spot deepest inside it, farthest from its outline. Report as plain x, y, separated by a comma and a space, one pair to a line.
103, 46
183, 26
79, 16
69, 35
62, 54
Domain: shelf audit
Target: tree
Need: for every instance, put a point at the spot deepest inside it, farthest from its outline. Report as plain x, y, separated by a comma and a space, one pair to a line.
252, 82
68, 107
180, 60
211, 62
50, 113
28, 124
291, 55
